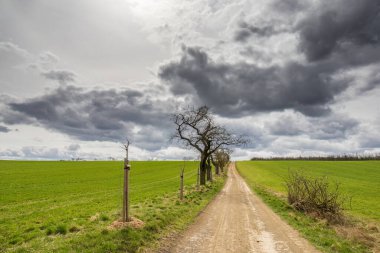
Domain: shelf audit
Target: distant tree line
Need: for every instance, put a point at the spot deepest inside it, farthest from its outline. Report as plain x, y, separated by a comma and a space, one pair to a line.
340, 157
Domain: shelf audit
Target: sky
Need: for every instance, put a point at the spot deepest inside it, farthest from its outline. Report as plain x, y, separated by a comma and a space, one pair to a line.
296, 77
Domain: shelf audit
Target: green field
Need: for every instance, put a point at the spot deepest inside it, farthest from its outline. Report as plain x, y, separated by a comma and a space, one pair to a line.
47, 206
359, 179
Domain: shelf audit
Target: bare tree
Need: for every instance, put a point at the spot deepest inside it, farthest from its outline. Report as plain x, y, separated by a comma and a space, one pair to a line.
220, 159
196, 128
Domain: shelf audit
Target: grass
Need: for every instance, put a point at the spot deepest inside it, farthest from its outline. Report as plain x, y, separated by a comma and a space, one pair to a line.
67, 206
359, 179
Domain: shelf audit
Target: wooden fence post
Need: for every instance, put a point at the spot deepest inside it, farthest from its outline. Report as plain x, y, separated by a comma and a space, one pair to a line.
181, 185
127, 168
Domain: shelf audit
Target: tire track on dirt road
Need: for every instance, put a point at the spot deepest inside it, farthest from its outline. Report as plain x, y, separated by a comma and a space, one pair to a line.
238, 221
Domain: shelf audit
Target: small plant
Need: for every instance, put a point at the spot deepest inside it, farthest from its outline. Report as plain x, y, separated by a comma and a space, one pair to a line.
49, 231
61, 229
315, 196
104, 217
74, 229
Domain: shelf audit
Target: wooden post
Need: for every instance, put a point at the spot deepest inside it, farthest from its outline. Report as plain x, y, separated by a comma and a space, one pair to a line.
181, 185
127, 168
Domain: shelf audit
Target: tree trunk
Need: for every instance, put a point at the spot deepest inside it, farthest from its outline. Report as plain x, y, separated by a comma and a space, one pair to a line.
209, 171
215, 165
203, 169
202, 176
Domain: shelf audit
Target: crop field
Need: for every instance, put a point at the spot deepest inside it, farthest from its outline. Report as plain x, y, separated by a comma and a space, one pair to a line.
67, 206
358, 179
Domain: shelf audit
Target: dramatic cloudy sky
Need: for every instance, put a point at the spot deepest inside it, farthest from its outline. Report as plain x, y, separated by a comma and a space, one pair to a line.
298, 77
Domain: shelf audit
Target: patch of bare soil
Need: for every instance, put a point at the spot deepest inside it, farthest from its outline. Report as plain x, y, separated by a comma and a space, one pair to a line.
133, 223
238, 221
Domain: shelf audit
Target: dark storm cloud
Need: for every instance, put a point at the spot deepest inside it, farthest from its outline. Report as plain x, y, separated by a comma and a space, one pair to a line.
107, 115
62, 76
4, 129
8, 116
336, 37
340, 26
245, 31
239, 89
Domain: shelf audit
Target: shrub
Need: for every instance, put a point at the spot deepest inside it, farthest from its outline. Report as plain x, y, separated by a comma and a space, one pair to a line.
315, 196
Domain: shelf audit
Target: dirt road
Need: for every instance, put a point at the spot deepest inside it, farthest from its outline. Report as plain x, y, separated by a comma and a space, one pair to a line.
238, 221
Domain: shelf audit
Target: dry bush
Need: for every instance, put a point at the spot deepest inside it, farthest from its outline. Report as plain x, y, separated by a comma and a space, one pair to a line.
316, 196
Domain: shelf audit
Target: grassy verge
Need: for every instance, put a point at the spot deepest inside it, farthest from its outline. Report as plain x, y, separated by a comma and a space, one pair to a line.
318, 232
68, 206
160, 214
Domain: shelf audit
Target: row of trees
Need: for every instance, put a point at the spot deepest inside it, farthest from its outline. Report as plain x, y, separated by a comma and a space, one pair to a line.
196, 128
341, 157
